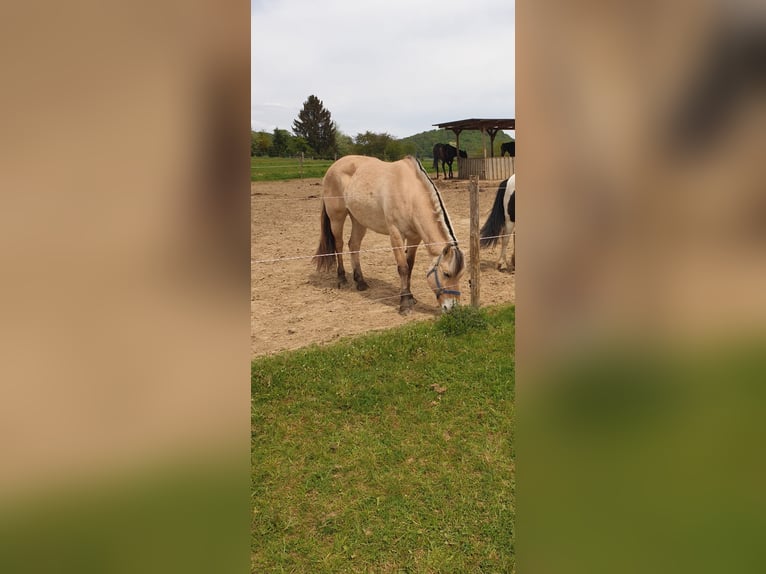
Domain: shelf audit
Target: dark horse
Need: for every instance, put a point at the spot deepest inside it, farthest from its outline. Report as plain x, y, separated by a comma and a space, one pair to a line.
446, 154
509, 148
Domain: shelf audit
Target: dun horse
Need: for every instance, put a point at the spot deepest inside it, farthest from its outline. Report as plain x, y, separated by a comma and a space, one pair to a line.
501, 221
445, 153
396, 199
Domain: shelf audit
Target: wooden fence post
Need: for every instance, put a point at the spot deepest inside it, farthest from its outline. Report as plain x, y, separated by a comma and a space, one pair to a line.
473, 192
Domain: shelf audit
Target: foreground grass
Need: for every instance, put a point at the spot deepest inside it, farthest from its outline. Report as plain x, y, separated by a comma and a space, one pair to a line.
278, 168
388, 453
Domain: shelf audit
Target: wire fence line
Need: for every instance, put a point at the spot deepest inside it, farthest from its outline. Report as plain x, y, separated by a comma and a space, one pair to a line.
373, 250
303, 198
288, 165
376, 300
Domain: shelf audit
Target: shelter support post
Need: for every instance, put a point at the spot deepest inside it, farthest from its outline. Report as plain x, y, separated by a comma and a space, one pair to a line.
492, 133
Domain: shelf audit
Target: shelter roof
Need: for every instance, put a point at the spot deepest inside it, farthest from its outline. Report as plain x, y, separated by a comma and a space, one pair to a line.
479, 124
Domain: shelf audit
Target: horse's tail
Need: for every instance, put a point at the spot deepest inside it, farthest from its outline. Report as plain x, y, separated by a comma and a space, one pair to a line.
495, 223
436, 159
324, 256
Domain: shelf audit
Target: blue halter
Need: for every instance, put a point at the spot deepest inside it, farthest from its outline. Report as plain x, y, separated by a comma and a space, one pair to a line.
439, 289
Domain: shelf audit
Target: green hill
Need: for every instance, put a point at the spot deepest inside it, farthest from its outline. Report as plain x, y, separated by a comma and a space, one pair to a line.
470, 141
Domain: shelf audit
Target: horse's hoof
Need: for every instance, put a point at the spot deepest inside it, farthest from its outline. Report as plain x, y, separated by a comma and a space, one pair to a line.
342, 282
362, 286
406, 304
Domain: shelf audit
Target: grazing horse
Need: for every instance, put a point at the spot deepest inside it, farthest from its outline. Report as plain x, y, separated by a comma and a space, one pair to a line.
509, 148
501, 221
446, 154
396, 199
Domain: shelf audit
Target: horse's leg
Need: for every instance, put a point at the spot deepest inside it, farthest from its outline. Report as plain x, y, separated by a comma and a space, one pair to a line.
337, 230
450, 170
507, 232
502, 259
411, 250
406, 300
513, 254
354, 243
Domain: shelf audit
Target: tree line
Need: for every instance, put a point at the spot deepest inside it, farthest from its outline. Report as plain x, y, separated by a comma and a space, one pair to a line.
316, 135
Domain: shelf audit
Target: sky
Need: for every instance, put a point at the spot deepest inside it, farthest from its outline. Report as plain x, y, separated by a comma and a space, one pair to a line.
393, 66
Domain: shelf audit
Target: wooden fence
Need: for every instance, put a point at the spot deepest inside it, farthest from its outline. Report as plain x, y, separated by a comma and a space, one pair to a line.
494, 168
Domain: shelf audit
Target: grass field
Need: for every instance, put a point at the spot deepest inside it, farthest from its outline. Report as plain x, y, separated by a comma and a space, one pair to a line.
280, 168
388, 453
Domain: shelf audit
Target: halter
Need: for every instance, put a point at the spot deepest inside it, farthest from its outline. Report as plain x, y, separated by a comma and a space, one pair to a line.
439, 289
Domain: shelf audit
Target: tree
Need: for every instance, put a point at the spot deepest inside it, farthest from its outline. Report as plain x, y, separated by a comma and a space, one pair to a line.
381, 146
279, 143
314, 124
299, 145
260, 142
345, 143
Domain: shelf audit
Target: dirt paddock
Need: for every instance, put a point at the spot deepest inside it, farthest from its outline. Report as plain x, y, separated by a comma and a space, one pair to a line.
292, 305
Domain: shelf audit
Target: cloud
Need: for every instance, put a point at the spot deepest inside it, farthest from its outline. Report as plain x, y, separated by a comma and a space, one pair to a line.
395, 66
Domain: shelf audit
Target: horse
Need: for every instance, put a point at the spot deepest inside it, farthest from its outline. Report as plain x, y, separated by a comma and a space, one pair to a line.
501, 221
397, 199
446, 154
509, 148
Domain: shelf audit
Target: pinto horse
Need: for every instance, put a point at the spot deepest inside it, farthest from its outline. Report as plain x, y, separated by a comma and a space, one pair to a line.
501, 221
509, 148
396, 199
445, 153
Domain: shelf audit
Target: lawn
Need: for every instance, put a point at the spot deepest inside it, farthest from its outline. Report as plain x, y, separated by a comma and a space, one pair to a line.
279, 168
388, 453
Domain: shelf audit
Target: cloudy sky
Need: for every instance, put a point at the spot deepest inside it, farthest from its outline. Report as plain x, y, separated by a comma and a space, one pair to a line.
395, 66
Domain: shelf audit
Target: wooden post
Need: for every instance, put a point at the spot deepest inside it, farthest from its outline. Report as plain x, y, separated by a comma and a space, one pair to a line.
473, 192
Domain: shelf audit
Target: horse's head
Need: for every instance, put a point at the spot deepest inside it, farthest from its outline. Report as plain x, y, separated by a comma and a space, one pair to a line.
444, 276
463, 154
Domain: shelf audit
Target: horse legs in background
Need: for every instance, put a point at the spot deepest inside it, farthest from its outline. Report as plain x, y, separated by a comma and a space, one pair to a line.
510, 267
450, 169
354, 244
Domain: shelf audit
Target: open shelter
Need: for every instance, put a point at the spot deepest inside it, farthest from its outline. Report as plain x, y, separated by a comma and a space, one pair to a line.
489, 166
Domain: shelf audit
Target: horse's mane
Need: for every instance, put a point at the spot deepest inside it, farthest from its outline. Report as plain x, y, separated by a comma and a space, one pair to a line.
436, 197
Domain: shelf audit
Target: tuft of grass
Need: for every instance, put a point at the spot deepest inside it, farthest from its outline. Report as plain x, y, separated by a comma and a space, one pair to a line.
462, 320
391, 452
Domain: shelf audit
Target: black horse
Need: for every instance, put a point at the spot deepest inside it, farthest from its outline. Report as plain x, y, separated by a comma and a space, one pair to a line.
446, 154
509, 148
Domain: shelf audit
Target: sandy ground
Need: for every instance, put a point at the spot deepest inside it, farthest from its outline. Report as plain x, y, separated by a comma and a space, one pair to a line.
292, 305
